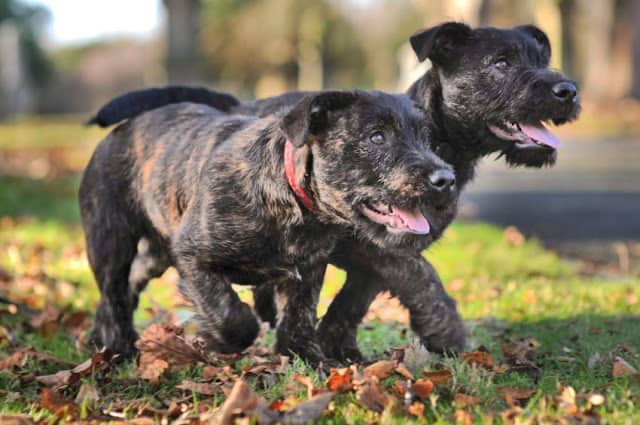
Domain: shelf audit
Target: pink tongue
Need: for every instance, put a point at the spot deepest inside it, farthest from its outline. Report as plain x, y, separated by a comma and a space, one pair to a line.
541, 135
414, 220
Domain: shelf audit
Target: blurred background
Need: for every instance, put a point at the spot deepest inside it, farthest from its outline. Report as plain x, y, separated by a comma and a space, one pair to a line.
61, 59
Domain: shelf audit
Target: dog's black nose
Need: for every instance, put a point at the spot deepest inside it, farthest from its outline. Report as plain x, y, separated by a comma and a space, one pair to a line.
441, 180
565, 91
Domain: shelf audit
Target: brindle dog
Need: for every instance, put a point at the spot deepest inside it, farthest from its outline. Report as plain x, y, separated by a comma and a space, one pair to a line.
243, 199
489, 90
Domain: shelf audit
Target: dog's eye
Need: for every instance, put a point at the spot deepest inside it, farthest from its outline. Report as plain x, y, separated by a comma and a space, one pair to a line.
502, 64
377, 138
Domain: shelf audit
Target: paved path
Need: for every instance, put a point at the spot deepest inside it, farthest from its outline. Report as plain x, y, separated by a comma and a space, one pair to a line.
593, 193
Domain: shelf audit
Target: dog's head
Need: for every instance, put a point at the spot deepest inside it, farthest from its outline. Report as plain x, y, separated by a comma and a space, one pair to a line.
365, 159
498, 90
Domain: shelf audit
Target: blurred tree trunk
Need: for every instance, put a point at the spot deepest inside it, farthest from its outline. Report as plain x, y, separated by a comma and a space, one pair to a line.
567, 9
635, 74
310, 34
183, 54
594, 39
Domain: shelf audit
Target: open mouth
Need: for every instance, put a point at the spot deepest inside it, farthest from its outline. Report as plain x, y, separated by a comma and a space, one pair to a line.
396, 219
526, 135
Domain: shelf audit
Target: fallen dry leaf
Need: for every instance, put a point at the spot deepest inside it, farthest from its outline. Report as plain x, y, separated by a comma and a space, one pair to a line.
422, 388
307, 382
16, 420
567, 400
402, 370
478, 358
206, 388
371, 396
307, 411
242, 402
438, 377
339, 380
416, 409
513, 237
465, 400
60, 406
463, 417
98, 362
622, 368
381, 369
164, 345
87, 395
20, 358
513, 396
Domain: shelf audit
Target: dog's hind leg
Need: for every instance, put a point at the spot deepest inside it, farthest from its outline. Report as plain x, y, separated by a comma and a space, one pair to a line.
111, 247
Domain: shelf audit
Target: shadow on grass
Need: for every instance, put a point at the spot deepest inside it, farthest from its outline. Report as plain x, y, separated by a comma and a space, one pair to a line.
44, 199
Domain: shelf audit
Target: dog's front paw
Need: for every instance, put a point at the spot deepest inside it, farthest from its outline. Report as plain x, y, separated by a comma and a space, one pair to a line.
232, 333
450, 340
340, 344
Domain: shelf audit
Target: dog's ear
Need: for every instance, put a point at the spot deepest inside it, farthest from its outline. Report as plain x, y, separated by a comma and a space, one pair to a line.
440, 43
540, 37
310, 116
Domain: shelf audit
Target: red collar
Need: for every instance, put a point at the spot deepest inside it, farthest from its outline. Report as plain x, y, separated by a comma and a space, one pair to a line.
290, 171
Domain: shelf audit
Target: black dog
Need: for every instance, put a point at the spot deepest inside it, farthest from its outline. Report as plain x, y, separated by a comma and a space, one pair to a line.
240, 199
489, 90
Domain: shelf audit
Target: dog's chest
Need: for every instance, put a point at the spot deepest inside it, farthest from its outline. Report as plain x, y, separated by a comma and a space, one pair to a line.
283, 257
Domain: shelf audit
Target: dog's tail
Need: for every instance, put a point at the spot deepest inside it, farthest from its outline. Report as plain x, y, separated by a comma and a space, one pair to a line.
134, 103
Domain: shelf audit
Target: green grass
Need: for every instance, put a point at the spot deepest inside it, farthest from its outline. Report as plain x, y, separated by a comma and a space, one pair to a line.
504, 290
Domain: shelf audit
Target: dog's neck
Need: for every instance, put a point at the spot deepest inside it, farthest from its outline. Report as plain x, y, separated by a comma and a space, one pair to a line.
448, 141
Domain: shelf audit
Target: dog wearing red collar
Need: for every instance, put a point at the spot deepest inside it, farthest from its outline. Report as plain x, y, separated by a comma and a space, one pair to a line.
241, 199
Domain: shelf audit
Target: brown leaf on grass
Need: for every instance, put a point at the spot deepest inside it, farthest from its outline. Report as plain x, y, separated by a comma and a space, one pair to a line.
567, 400
520, 350
465, 400
151, 369
20, 358
402, 370
307, 411
463, 417
339, 380
478, 358
416, 409
16, 420
400, 388
381, 369
371, 396
241, 402
76, 322
307, 382
168, 342
209, 373
98, 362
438, 377
422, 388
164, 345
61, 407
622, 368
513, 237
206, 388
513, 396
47, 320
87, 394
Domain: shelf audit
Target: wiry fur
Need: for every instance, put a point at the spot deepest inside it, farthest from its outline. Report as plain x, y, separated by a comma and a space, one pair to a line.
189, 186
463, 93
